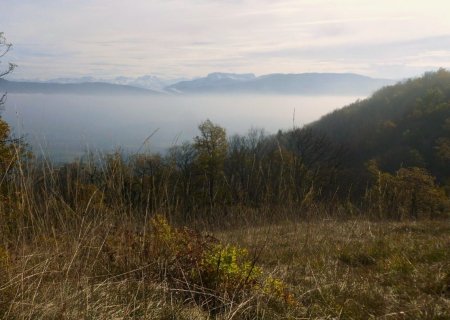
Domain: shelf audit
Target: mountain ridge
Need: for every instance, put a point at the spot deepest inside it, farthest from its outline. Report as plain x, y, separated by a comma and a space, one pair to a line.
313, 83
71, 88
284, 83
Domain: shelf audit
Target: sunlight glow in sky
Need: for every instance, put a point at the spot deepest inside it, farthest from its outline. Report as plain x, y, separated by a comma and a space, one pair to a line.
172, 38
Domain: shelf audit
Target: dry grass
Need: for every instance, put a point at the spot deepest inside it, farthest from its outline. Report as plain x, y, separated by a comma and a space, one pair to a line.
78, 256
336, 270
359, 269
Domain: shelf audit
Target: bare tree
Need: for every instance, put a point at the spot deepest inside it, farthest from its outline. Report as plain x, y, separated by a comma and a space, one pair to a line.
10, 148
5, 46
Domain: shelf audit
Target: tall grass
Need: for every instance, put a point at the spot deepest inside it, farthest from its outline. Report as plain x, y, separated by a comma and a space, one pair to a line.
83, 240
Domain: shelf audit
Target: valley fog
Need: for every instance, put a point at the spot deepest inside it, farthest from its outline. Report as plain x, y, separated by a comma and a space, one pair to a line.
64, 127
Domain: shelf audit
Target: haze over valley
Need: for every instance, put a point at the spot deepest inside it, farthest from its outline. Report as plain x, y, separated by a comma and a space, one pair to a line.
64, 126
64, 118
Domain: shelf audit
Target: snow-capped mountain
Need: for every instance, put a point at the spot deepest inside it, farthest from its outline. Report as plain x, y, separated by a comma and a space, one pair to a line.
150, 82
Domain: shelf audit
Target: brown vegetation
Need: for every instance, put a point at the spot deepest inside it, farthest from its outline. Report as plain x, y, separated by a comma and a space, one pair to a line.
72, 249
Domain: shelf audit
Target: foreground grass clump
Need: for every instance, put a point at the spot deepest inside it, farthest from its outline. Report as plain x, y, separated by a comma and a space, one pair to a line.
196, 268
153, 271
5, 292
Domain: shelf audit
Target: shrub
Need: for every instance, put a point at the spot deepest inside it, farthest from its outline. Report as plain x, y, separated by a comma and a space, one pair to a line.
195, 267
410, 192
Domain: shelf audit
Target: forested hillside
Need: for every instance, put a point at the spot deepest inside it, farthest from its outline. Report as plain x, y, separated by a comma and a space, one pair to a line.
404, 125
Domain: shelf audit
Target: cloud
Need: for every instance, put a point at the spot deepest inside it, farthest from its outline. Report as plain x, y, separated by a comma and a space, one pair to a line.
194, 37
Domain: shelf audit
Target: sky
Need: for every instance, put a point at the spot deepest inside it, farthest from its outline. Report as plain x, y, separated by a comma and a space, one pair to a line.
190, 38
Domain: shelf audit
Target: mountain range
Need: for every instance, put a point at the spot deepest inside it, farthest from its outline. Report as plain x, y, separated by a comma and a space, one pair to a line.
277, 83
151, 82
70, 88
302, 84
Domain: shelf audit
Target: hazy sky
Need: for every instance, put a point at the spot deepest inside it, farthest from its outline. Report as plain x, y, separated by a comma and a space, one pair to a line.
107, 38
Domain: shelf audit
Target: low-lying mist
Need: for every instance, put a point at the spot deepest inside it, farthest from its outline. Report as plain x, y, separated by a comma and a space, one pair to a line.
64, 127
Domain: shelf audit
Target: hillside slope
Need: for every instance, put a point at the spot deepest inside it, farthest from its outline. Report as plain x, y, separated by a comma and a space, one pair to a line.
407, 124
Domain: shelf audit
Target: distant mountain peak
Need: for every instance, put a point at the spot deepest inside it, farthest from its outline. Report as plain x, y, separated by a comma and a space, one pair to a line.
233, 76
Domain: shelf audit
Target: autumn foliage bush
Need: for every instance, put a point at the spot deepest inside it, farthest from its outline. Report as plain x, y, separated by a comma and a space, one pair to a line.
194, 267
409, 193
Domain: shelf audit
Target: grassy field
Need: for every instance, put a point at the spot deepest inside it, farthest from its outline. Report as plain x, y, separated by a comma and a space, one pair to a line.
319, 269
359, 269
